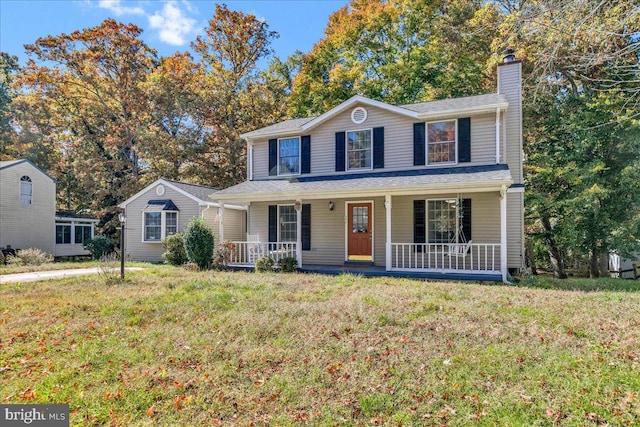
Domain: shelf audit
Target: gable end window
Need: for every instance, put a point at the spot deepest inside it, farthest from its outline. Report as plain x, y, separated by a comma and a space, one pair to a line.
359, 149
289, 156
26, 190
441, 142
158, 225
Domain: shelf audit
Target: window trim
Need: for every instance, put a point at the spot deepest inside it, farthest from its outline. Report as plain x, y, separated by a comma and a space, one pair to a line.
299, 138
20, 194
426, 218
71, 235
279, 223
346, 150
426, 143
163, 224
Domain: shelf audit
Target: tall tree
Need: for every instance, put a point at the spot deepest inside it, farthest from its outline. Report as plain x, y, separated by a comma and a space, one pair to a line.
398, 51
8, 68
85, 87
229, 54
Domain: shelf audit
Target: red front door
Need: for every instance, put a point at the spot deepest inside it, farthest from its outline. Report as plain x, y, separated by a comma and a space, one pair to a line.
359, 228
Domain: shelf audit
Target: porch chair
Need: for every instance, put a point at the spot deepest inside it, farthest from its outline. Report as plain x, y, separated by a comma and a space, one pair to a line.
459, 249
254, 250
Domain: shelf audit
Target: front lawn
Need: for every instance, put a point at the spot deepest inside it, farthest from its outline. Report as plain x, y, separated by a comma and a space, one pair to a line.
178, 348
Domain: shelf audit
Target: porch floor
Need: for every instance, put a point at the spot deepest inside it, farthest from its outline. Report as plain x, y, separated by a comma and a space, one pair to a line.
379, 271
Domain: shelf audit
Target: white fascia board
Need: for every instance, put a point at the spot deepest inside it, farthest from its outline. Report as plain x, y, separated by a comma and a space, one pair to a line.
474, 187
490, 108
124, 204
353, 100
275, 134
226, 206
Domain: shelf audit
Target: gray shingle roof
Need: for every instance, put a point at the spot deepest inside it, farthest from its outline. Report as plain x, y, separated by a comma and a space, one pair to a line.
368, 184
199, 191
285, 126
468, 102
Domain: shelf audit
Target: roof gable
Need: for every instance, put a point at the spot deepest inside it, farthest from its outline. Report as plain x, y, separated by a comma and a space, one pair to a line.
197, 193
6, 164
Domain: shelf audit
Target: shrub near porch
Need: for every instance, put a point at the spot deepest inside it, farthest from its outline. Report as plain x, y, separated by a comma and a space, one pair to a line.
172, 347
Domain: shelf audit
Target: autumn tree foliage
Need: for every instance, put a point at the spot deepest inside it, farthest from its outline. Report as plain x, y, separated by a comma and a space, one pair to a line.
8, 69
232, 92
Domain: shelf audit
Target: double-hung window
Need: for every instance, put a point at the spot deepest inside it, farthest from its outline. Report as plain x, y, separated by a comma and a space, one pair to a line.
288, 223
289, 156
441, 142
159, 224
359, 149
441, 220
63, 234
26, 190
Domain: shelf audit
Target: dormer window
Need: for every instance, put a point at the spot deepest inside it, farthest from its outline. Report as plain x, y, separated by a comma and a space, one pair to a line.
359, 149
441, 142
26, 190
289, 156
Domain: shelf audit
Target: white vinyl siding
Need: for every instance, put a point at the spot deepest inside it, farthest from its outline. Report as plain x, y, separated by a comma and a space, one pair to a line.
398, 141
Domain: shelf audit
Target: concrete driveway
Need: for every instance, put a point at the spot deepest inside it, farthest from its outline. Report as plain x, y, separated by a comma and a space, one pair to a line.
35, 276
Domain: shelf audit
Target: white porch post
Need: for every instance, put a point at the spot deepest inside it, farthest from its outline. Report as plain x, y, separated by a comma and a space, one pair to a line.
387, 205
503, 233
221, 223
298, 206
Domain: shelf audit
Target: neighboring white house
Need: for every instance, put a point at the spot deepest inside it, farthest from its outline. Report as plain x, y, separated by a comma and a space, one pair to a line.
166, 207
433, 189
28, 215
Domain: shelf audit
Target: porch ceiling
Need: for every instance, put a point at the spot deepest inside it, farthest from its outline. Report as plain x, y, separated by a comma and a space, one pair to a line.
419, 181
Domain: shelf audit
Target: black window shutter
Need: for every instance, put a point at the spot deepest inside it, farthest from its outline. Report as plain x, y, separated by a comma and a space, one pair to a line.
306, 227
419, 142
464, 139
419, 223
273, 157
378, 148
340, 151
466, 221
306, 154
273, 223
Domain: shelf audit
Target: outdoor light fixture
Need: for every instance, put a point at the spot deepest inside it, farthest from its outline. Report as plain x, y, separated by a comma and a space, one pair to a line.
297, 205
331, 205
123, 219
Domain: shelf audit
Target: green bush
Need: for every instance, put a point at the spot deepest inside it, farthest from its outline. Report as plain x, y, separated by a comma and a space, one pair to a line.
264, 264
99, 246
31, 256
174, 250
198, 242
288, 265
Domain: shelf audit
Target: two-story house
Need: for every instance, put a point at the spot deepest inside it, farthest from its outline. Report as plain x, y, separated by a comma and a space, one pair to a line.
432, 188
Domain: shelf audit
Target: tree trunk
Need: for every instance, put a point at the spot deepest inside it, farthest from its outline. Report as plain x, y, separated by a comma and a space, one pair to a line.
552, 248
594, 271
531, 260
603, 261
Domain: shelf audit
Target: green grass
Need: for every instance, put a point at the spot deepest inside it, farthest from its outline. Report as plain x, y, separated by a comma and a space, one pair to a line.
174, 348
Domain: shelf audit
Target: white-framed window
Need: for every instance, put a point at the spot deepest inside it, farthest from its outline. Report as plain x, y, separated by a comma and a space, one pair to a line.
82, 233
442, 218
287, 223
359, 149
159, 224
26, 190
289, 156
63, 234
442, 142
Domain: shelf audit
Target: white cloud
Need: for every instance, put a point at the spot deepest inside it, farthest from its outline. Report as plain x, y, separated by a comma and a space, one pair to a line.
116, 7
173, 26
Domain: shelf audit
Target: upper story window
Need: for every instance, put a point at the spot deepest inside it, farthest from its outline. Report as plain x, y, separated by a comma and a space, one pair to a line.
359, 149
289, 156
441, 142
26, 190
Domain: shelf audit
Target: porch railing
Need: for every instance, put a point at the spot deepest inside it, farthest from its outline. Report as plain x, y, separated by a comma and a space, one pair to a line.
477, 257
247, 253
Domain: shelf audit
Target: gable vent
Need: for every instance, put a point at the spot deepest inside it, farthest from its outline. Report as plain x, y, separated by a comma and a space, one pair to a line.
358, 115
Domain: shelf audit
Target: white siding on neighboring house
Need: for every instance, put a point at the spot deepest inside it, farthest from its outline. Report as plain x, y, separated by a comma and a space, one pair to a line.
27, 225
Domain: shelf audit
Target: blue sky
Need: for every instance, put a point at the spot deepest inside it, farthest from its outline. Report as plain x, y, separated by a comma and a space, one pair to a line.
169, 26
